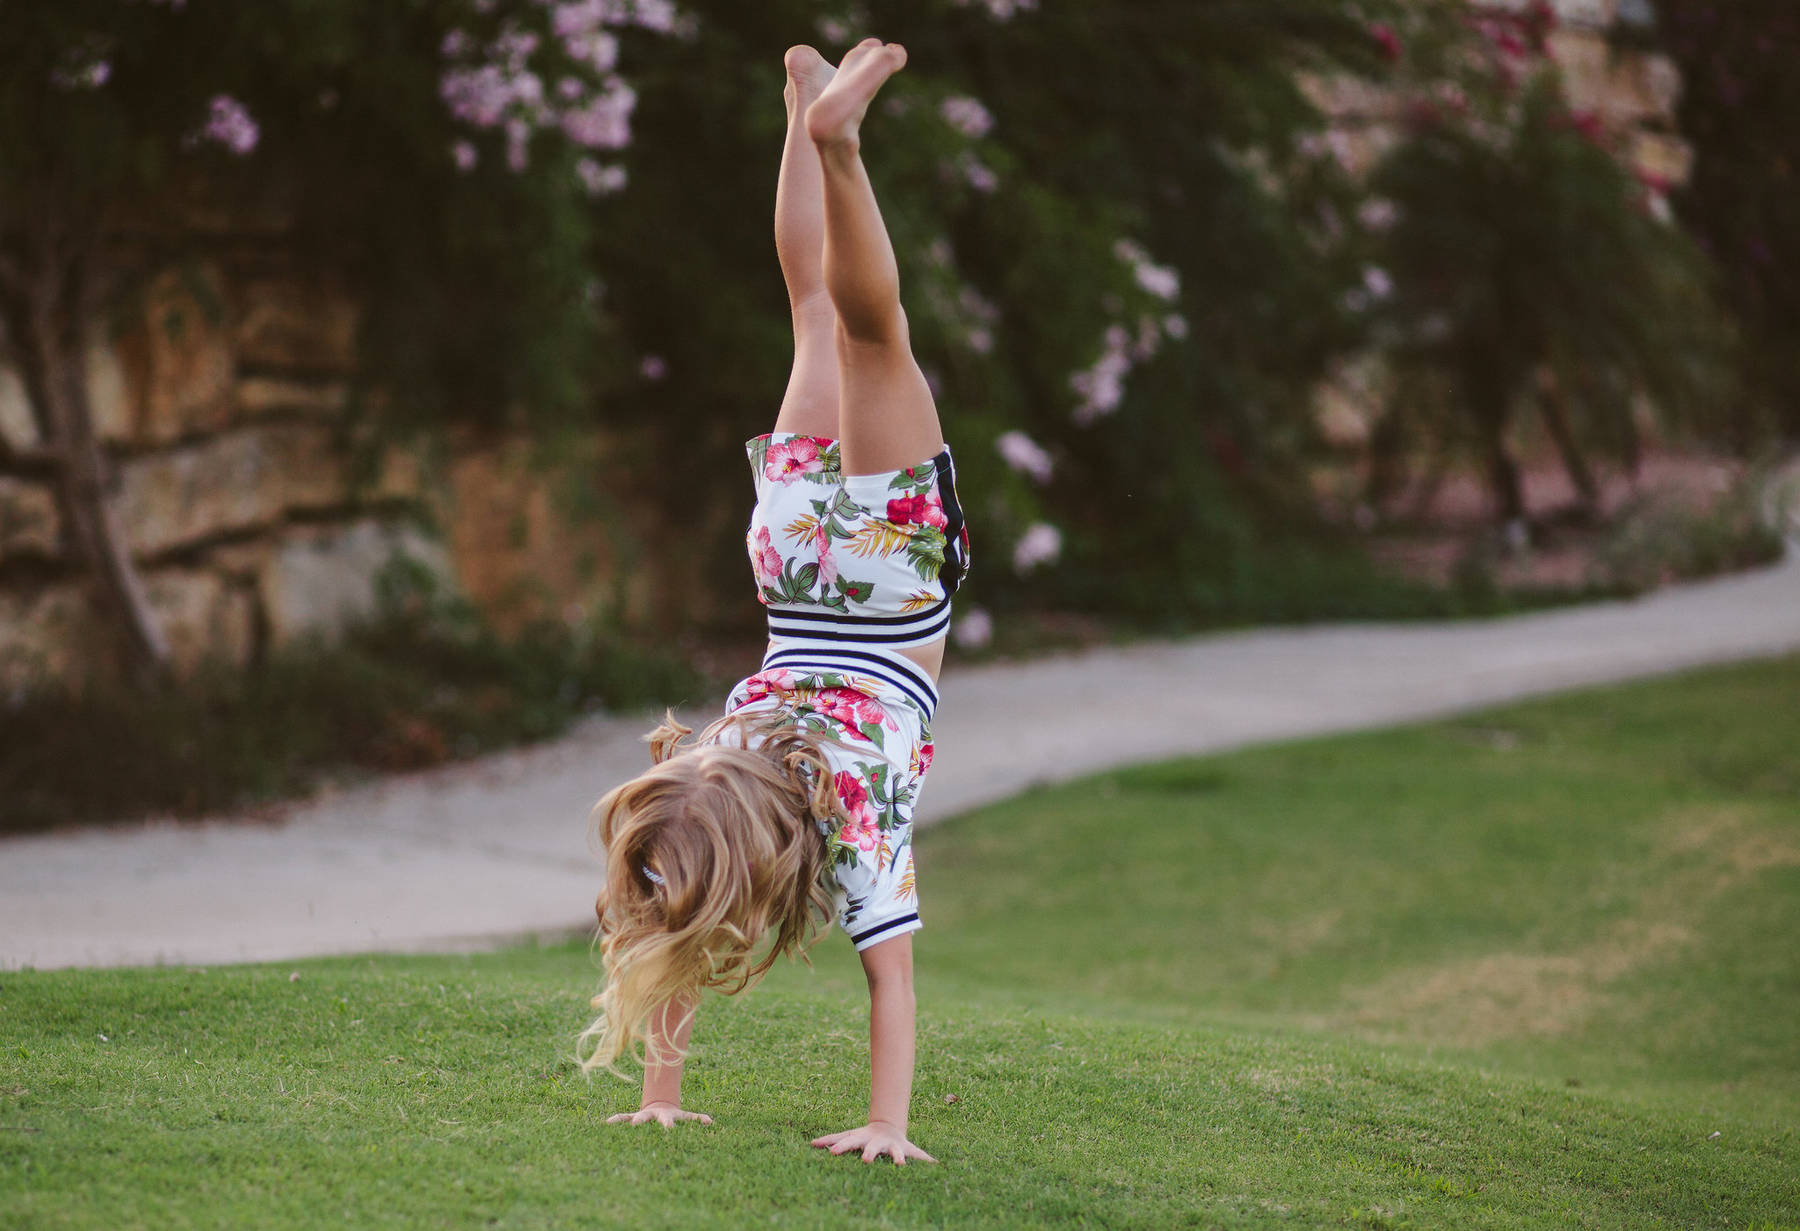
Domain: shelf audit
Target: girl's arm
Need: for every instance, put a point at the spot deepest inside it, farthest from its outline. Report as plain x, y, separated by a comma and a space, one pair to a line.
670, 1028
889, 968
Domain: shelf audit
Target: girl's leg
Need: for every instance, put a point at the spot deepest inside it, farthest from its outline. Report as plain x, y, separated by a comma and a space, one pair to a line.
887, 418
810, 406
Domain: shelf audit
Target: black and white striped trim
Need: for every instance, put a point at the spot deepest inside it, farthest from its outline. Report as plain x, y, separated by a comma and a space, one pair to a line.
819, 624
867, 937
890, 668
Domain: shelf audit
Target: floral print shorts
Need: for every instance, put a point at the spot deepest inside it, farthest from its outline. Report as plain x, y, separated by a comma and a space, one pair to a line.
878, 710
852, 568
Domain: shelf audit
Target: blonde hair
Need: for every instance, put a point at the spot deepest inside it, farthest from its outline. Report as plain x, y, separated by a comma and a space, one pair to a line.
715, 846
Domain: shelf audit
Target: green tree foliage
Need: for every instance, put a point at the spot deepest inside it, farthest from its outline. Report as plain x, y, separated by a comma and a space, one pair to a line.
1738, 104
1530, 270
1110, 253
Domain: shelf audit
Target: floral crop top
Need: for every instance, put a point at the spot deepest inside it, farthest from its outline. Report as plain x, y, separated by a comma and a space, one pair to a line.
871, 559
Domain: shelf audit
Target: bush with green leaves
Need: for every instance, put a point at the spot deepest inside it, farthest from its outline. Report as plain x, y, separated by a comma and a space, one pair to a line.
1521, 267
1739, 96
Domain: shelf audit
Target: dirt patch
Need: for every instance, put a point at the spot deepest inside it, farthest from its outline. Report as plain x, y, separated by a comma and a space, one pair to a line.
1704, 853
1513, 995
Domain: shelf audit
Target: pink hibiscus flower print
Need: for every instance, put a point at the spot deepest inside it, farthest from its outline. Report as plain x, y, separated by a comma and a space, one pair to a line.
767, 683
787, 461
828, 569
765, 561
850, 790
852, 709
922, 762
861, 832
926, 510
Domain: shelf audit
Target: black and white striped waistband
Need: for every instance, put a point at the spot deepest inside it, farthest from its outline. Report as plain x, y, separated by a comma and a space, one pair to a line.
816, 624
891, 668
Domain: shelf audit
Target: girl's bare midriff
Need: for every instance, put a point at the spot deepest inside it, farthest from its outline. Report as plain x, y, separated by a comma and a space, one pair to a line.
929, 657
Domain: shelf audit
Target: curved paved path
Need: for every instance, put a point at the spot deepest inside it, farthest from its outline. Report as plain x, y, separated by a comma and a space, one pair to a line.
496, 849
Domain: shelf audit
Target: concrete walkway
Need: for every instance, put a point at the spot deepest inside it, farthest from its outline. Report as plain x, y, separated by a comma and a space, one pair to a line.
496, 849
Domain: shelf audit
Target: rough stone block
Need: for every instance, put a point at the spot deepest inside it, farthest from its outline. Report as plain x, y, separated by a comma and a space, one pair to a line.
204, 618
260, 396
178, 359
321, 580
1643, 88
233, 482
287, 324
18, 428
1595, 14
49, 634
1662, 157
1344, 96
1585, 60
28, 520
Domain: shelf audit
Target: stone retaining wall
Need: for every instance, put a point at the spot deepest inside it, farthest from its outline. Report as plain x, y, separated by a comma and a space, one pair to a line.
224, 404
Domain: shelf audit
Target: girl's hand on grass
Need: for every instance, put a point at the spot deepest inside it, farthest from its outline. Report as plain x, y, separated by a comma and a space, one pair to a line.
874, 1139
665, 1114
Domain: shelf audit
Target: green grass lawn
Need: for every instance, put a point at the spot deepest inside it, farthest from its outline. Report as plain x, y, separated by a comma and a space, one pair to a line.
1534, 968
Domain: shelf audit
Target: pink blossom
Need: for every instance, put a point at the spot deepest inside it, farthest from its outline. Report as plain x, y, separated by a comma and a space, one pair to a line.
598, 180
599, 51
229, 124
967, 116
1175, 325
792, 458
973, 629
1040, 544
977, 174
1387, 40
604, 123
653, 367
1160, 280
1024, 455
463, 152
657, 15
923, 760
1378, 214
1001, 10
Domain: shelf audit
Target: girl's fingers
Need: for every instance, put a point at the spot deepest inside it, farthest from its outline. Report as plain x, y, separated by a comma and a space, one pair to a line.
829, 1139
920, 1154
871, 1152
703, 1118
624, 1117
898, 1154
840, 1147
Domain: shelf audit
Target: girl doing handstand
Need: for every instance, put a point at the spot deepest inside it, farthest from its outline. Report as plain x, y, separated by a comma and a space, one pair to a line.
800, 800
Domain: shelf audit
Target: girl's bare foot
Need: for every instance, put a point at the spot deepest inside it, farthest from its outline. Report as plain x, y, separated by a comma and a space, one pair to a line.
835, 117
808, 74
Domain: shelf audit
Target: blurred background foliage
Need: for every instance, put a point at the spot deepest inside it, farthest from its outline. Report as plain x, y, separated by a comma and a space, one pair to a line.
1739, 99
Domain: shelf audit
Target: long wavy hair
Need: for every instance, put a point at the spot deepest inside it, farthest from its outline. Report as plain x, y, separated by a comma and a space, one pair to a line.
713, 848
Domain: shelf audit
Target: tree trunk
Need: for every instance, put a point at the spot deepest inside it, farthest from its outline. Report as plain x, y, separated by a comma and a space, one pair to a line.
1554, 406
48, 302
1490, 406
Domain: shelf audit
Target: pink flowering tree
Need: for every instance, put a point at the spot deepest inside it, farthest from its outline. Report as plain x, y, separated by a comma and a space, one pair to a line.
1523, 268
444, 159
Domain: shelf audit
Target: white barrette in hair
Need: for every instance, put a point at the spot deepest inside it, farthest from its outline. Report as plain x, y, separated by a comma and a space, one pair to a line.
654, 878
